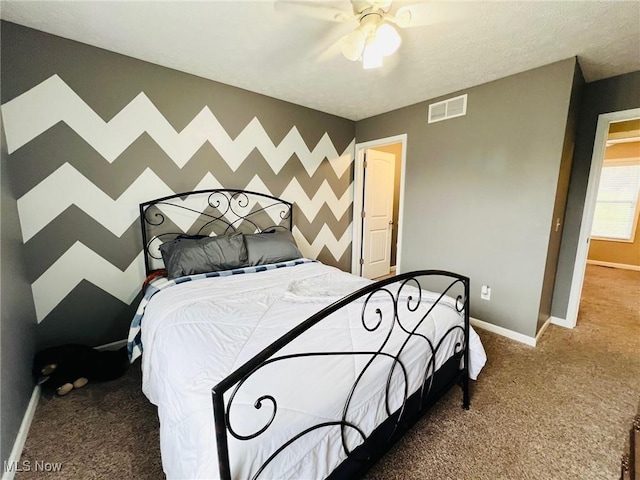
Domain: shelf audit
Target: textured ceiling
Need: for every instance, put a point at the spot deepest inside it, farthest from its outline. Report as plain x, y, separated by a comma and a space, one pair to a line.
293, 58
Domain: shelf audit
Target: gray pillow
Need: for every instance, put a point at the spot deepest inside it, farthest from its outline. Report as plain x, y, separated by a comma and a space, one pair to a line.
273, 247
189, 256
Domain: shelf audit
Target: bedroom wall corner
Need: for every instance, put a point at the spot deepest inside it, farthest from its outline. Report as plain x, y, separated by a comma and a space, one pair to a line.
115, 131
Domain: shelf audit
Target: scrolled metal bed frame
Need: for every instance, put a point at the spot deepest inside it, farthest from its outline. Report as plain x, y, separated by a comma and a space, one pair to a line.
226, 209
222, 214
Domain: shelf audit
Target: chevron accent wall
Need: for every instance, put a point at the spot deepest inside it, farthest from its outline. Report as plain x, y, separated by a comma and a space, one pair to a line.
53, 101
79, 175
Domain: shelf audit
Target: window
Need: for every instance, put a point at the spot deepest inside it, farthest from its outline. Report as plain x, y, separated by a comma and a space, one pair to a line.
616, 206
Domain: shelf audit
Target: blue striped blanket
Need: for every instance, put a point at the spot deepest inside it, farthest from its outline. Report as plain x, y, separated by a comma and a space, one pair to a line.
134, 341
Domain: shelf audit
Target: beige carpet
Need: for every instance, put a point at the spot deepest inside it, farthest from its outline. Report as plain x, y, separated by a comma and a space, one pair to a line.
561, 410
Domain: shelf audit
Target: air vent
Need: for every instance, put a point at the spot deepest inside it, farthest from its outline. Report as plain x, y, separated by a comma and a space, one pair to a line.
454, 107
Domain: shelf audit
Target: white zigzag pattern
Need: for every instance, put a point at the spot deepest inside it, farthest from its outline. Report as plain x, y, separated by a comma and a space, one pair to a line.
81, 263
325, 194
53, 195
309, 206
43, 203
325, 238
52, 101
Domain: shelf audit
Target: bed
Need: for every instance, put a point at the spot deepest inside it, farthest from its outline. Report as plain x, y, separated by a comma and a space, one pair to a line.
266, 364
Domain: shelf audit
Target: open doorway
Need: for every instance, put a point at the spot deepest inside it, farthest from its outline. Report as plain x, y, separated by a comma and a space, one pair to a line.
378, 193
613, 258
610, 210
614, 239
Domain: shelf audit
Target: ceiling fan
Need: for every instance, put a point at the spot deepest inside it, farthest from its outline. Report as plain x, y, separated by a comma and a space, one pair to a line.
374, 35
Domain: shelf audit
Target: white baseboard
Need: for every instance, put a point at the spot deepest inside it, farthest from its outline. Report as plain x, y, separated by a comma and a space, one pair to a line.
113, 345
505, 332
561, 322
21, 438
614, 265
542, 329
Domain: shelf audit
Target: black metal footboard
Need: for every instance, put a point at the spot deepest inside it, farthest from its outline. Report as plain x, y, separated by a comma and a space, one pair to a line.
410, 307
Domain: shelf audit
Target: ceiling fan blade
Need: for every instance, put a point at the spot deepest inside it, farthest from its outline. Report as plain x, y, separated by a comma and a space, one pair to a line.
429, 13
313, 9
329, 53
330, 47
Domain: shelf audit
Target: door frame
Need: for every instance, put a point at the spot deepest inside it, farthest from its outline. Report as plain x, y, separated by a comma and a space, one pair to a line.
358, 190
597, 160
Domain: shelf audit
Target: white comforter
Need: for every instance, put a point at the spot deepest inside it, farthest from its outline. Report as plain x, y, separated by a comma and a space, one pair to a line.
196, 333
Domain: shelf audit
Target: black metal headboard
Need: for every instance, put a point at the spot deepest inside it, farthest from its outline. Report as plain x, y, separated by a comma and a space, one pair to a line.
208, 212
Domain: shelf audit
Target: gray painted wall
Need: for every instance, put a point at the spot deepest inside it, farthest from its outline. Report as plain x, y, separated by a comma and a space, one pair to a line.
480, 189
555, 233
66, 165
604, 96
18, 322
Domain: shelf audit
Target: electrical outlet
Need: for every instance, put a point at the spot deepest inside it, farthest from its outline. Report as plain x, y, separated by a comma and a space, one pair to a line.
485, 292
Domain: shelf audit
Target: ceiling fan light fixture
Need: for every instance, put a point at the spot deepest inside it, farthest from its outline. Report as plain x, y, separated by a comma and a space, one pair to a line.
387, 40
353, 45
372, 40
371, 61
371, 56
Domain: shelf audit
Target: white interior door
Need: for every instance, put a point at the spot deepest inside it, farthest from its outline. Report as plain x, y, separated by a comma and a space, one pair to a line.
378, 213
